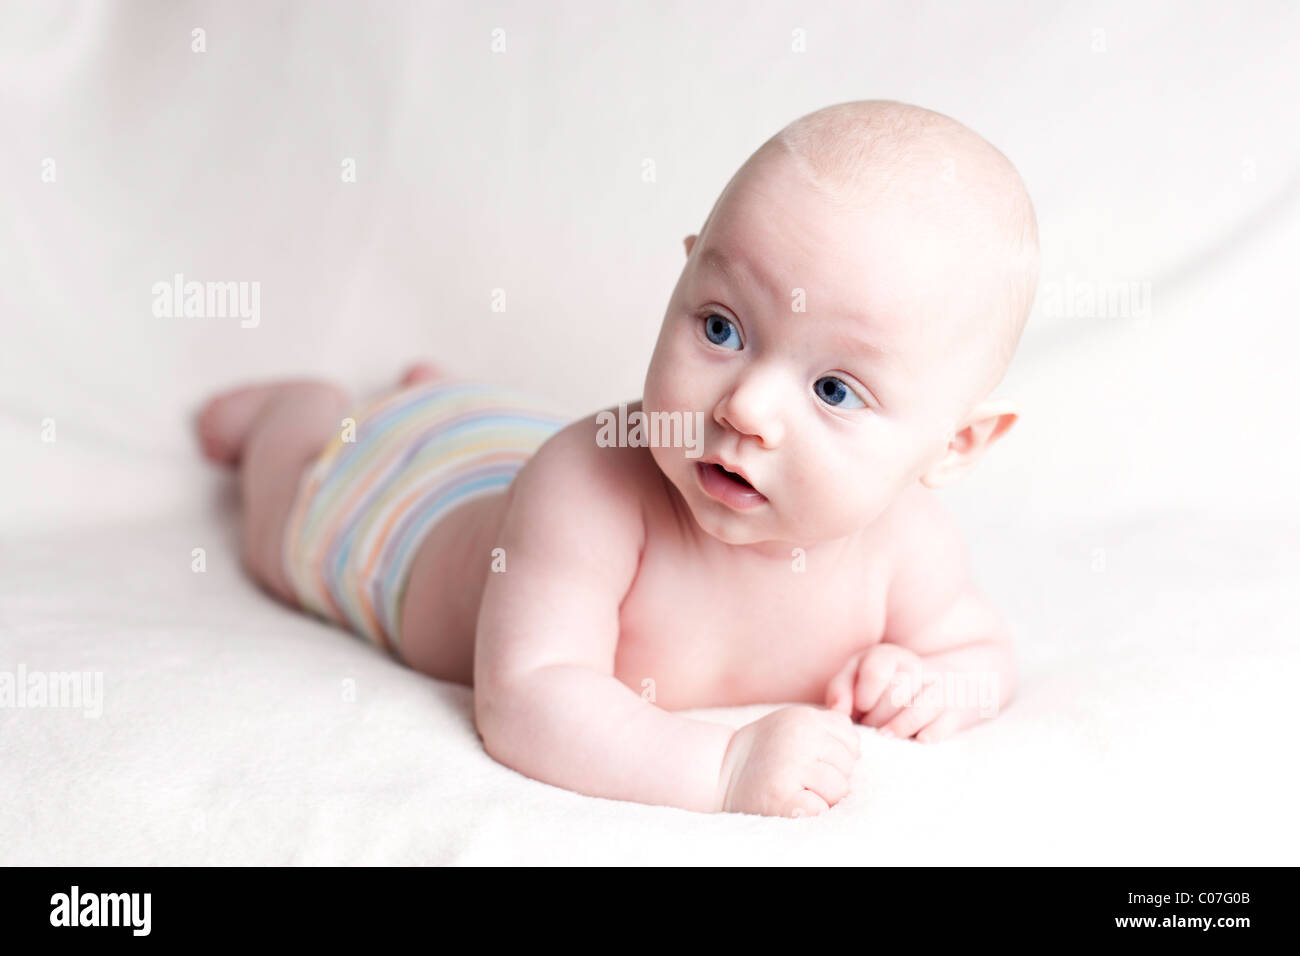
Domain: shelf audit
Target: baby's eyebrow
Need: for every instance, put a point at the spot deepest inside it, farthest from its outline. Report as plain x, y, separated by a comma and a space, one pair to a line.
852, 345
737, 272
880, 368
718, 259
844, 344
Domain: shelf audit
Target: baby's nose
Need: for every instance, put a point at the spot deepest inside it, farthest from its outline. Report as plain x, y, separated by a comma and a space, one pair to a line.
753, 408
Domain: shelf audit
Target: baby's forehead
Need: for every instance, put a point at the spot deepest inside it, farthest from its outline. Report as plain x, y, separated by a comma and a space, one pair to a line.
818, 312
874, 270
899, 222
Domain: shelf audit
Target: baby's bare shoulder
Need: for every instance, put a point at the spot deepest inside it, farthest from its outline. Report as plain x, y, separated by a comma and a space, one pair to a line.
933, 604
926, 555
575, 458
573, 488
572, 537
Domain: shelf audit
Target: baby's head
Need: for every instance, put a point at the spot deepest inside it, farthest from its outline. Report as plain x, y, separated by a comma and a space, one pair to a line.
855, 295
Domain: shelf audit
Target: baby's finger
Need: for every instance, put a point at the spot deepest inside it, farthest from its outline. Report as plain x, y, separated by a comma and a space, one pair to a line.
807, 804
938, 729
839, 692
838, 755
842, 729
901, 689
911, 719
947, 724
873, 679
828, 782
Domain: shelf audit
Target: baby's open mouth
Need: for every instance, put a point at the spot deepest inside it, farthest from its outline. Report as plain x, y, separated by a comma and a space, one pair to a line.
728, 487
733, 476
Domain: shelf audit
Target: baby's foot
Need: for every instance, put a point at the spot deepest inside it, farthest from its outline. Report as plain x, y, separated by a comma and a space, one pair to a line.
228, 419
421, 372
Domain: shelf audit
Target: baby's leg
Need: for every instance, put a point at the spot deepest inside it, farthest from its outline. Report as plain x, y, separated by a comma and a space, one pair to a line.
270, 433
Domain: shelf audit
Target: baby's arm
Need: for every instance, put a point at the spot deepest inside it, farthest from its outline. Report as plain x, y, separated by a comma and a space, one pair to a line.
945, 660
545, 698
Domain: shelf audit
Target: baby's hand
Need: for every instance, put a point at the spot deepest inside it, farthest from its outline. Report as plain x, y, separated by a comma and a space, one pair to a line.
795, 762
885, 687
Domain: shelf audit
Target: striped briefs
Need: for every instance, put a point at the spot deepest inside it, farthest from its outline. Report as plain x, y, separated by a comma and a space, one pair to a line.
363, 508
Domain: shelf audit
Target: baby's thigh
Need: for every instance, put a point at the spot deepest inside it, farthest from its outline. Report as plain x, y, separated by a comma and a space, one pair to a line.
445, 589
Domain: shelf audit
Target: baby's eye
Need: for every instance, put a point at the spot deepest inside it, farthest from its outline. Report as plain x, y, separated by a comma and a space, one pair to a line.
721, 331
834, 392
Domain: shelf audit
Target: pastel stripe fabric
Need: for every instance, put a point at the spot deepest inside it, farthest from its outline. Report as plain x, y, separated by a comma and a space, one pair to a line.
365, 506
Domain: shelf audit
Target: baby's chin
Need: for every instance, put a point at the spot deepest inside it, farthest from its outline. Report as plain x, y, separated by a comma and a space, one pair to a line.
759, 527
733, 532
717, 520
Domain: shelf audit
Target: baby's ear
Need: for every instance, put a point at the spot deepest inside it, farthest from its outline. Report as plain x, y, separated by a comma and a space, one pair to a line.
689, 242
986, 424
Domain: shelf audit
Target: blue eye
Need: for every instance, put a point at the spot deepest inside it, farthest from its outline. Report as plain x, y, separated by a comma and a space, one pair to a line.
835, 393
721, 331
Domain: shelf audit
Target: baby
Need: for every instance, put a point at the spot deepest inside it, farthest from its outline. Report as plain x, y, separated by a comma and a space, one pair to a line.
853, 299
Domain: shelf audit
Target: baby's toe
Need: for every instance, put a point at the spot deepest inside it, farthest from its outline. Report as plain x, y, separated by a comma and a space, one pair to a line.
224, 423
421, 372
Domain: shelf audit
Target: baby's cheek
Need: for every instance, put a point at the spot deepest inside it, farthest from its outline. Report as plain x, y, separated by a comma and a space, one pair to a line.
820, 502
839, 497
653, 397
663, 391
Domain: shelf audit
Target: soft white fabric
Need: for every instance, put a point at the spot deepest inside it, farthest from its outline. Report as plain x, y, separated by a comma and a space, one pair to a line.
1137, 527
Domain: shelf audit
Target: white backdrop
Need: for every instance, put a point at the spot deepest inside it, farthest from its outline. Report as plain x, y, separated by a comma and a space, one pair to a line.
1138, 525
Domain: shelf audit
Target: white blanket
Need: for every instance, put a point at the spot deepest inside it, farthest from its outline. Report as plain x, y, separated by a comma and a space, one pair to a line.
1137, 527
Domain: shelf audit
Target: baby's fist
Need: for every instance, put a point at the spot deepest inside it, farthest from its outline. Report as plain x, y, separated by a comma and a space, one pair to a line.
885, 687
794, 762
